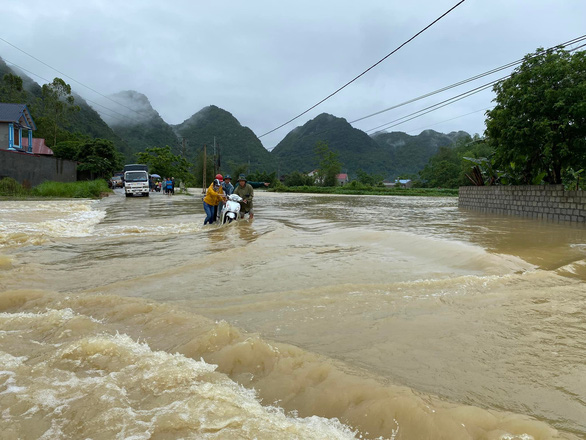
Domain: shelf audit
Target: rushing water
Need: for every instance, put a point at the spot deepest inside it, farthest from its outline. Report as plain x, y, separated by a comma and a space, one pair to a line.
327, 317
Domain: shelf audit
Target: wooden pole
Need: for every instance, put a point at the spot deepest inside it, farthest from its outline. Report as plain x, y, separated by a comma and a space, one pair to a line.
215, 158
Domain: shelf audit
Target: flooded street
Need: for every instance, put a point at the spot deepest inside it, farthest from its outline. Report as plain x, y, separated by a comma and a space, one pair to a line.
349, 316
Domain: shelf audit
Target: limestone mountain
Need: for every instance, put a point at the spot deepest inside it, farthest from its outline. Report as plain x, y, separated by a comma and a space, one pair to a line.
138, 123
409, 154
237, 145
355, 149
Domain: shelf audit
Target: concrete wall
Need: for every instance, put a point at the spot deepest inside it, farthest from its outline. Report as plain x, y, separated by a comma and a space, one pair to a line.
31, 169
3, 136
547, 202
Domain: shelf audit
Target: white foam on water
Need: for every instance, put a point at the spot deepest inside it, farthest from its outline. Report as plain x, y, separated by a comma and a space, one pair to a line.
123, 389
148, 229
33, 222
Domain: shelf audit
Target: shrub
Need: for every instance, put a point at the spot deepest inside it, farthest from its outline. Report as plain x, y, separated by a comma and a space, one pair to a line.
10, 187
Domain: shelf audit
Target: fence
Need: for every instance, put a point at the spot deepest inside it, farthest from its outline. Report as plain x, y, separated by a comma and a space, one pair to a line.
547, 202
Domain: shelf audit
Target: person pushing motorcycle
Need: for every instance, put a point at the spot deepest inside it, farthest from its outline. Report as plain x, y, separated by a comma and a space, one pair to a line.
244, 190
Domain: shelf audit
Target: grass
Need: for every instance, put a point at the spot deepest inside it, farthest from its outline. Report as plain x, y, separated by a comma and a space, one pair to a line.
83, 189
11, 188
369, 190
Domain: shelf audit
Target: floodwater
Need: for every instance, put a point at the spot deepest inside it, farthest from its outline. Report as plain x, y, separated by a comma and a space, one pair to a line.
327, 317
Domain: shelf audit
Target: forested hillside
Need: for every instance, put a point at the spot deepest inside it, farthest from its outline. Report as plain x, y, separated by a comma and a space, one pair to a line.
139, 124
237, 145
409, 154
355, 149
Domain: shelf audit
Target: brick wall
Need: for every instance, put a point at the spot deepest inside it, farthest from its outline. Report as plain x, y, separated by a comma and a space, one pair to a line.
32, 169
547, 202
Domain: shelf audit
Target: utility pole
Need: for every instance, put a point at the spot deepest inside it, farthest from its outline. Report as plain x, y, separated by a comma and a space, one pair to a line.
215, 158
204, 169
183, 147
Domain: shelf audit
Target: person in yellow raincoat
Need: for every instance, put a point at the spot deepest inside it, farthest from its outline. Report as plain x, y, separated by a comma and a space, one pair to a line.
214, 195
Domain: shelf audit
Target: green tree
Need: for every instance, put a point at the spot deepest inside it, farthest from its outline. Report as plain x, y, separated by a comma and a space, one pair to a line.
329, 165
450, 165
299, 179
98, 157
538, 126
11, 90
263, 176
442, 170
369, 179
163, 162
236, 169
67, 149
54, 108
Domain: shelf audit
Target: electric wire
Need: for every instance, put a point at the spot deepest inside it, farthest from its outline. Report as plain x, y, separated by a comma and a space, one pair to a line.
432, 108
468, 93
465, 81
367, 70
88, 100
481, 75
72, 79
451, 119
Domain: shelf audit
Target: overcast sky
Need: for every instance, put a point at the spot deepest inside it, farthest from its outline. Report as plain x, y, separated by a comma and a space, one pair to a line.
267, 61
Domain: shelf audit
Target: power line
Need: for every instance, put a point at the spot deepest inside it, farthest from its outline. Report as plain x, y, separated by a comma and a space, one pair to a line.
72, 79
443, 103
451, 119
473, 78
434, 107
370, 68
453, 99
463, 95
87, 100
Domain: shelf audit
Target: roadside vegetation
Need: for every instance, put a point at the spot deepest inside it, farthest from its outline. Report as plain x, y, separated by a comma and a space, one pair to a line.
89, 189
355, 188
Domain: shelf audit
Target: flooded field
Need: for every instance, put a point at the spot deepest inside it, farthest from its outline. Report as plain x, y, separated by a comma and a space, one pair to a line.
326, 317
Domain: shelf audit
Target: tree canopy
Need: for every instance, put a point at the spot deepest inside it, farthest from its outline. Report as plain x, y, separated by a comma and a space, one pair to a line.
538, 126
448, 168
163, 162
329, 165
97, 157
54, 108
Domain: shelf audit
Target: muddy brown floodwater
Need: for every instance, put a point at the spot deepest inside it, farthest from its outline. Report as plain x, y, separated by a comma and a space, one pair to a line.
326, 317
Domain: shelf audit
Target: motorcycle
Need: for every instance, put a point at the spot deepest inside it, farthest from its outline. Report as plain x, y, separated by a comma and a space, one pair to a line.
231, 209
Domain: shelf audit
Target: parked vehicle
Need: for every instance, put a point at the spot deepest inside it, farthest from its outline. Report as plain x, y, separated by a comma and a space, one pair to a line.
136, 180
117, 181
231, 209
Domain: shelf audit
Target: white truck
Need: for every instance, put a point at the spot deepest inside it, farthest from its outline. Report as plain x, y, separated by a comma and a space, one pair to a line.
136, 180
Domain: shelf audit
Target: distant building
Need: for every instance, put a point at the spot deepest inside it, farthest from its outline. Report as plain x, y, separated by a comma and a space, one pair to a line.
16, 120
342, 179
399, 183
315, 175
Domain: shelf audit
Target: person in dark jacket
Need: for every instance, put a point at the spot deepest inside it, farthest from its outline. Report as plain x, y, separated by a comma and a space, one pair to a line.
244, 190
